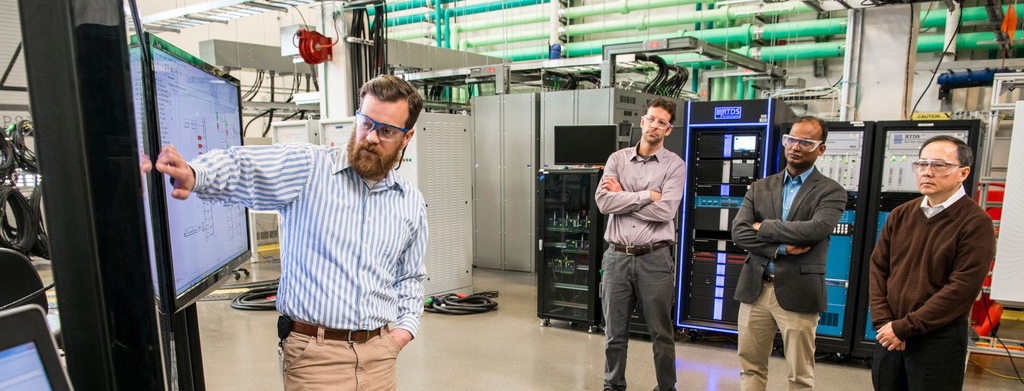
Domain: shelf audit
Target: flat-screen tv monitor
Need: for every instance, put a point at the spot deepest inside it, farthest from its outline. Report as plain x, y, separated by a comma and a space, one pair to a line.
585, 144
197, 109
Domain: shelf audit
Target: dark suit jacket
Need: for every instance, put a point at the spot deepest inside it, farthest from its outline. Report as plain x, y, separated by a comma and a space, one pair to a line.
799, 279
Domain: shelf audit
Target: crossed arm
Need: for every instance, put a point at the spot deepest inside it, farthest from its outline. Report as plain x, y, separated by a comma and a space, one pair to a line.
771, 237
647, 205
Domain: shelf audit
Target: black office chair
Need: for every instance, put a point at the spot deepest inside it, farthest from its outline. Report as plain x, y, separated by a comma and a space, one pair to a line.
19, 279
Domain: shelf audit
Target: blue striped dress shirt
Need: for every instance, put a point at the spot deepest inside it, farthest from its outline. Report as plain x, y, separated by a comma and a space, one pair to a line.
351, 256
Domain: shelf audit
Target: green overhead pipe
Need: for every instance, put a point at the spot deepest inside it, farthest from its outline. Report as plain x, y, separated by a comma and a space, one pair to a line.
710, 25
439, 12
407, 5
494, 6
410, 19
421, 31
802, 51
751, 92
730, 89
739, 34
447, 28
718, 89
502, 21
741, 90
937, 18
521, 54
694, 77
964, 41
621, 7
696, 26
462, 11
804, 28
721, 14
503, 38
579, 49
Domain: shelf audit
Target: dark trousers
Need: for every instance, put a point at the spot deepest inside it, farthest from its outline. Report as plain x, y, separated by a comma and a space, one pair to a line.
933, 361
647, 279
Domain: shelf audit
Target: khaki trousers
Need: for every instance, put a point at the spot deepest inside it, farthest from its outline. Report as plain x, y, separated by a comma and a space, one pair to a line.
757, 325
318, 364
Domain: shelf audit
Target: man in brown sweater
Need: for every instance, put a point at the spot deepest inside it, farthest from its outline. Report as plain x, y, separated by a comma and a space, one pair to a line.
926, 270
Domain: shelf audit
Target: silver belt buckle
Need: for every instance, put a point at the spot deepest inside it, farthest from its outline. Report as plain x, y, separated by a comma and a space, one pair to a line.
630, 250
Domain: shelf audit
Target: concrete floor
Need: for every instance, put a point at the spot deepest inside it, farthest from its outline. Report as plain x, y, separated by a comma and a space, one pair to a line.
509, 350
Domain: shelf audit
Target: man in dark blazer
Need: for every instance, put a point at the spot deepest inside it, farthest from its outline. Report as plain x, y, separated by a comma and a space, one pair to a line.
784, 224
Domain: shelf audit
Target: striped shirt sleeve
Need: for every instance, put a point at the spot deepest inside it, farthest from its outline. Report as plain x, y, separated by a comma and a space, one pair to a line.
409, 277
258, 177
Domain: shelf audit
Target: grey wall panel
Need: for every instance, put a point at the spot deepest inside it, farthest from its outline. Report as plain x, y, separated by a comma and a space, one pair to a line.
487, 179
557, 108
520, 146
446, 180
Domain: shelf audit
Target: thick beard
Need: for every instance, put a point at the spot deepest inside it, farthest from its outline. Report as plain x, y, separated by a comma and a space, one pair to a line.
374, 165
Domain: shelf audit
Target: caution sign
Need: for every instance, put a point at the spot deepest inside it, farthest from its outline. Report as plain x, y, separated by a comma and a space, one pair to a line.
930, 116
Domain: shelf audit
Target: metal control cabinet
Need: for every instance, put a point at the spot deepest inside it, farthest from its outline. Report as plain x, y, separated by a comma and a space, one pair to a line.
506, 147
893, 183
729, 145
568, 256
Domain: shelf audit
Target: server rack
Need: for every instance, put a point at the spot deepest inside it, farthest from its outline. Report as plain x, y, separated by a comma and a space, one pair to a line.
846, 160
568, 256
729, 145
893, 183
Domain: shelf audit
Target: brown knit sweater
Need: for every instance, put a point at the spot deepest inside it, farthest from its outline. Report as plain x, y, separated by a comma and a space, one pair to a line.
926, 273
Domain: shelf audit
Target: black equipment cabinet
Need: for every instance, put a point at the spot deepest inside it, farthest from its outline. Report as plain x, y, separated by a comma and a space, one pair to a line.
571, 232
729, 145
893, 183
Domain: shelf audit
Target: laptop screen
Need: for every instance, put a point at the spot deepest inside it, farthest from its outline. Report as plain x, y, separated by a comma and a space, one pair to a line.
21, 369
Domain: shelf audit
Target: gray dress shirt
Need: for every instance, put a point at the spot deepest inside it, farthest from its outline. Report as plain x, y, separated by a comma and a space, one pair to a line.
633, 219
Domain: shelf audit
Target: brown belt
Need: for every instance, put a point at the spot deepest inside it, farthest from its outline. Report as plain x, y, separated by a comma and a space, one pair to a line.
356, 336
640, 249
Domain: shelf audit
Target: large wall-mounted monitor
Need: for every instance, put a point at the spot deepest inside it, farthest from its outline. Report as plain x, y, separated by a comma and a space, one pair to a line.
197, 109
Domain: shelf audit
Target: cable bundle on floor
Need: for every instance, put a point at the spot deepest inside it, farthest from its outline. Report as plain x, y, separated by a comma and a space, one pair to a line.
457, 304
262, 296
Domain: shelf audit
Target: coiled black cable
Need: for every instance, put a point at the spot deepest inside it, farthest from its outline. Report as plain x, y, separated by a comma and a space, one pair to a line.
20, 236
42, 246
8, 158
262, 296
25, 157
258, 299
452, 304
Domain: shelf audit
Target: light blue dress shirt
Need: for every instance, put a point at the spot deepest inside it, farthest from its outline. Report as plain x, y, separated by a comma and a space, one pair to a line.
351, 256
790, 188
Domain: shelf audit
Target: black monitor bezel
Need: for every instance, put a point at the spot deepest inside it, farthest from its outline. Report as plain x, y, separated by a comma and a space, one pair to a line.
25, 324
171, 300
612, 128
